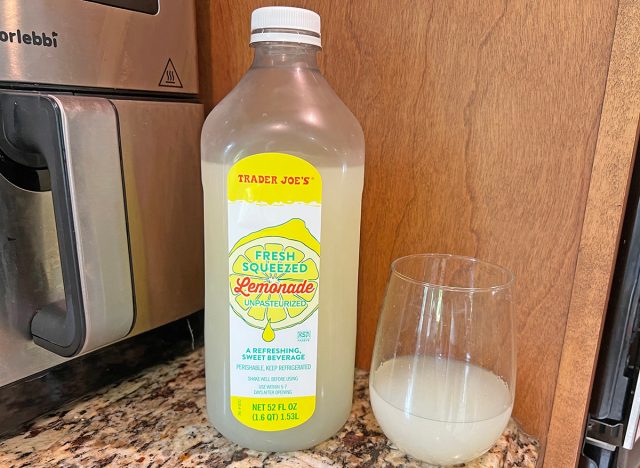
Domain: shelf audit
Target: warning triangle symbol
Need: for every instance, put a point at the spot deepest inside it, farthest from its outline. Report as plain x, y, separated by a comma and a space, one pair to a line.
170, 76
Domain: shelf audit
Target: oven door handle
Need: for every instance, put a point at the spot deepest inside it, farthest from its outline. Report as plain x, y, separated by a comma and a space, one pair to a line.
78, 139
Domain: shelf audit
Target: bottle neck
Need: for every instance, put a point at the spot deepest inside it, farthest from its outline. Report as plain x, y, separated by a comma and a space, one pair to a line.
285, 55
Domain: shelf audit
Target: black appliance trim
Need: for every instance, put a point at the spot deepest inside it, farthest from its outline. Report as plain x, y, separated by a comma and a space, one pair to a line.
33, 179
150, 7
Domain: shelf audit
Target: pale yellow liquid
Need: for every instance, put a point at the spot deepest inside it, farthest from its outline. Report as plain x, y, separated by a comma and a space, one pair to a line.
283, 104
340, 235
442, 412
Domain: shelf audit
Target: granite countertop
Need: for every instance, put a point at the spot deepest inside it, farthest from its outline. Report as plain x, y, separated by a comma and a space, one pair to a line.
158, 418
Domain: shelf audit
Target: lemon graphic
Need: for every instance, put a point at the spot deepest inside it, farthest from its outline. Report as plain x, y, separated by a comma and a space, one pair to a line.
273, 277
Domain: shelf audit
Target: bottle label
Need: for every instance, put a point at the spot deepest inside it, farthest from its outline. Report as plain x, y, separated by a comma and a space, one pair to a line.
274, 207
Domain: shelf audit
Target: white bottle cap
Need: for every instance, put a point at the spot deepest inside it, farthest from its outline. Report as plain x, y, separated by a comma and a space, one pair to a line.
297, 25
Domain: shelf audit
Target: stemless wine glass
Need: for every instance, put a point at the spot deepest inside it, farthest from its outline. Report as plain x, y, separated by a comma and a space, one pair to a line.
443, 373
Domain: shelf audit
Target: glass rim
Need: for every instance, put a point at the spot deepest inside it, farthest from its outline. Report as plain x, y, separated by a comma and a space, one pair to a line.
510, 277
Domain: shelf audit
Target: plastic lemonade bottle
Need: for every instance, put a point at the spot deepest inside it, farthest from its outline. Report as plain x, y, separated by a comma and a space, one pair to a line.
282, 171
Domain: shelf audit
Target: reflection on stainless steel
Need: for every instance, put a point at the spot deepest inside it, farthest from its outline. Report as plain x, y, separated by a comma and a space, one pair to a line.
161, 161
11, 12
99, 46
30, 276
96, 190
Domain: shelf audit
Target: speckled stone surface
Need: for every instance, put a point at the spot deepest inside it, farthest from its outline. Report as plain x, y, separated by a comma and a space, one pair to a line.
158, 419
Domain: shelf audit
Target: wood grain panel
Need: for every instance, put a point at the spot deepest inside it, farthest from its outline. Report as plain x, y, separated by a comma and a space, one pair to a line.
205, 71
615, 150
480, 120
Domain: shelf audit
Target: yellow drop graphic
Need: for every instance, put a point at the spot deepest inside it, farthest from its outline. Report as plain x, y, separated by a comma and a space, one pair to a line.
268, 333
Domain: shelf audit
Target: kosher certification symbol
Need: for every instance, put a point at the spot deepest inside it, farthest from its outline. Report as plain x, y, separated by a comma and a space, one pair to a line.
170, 78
